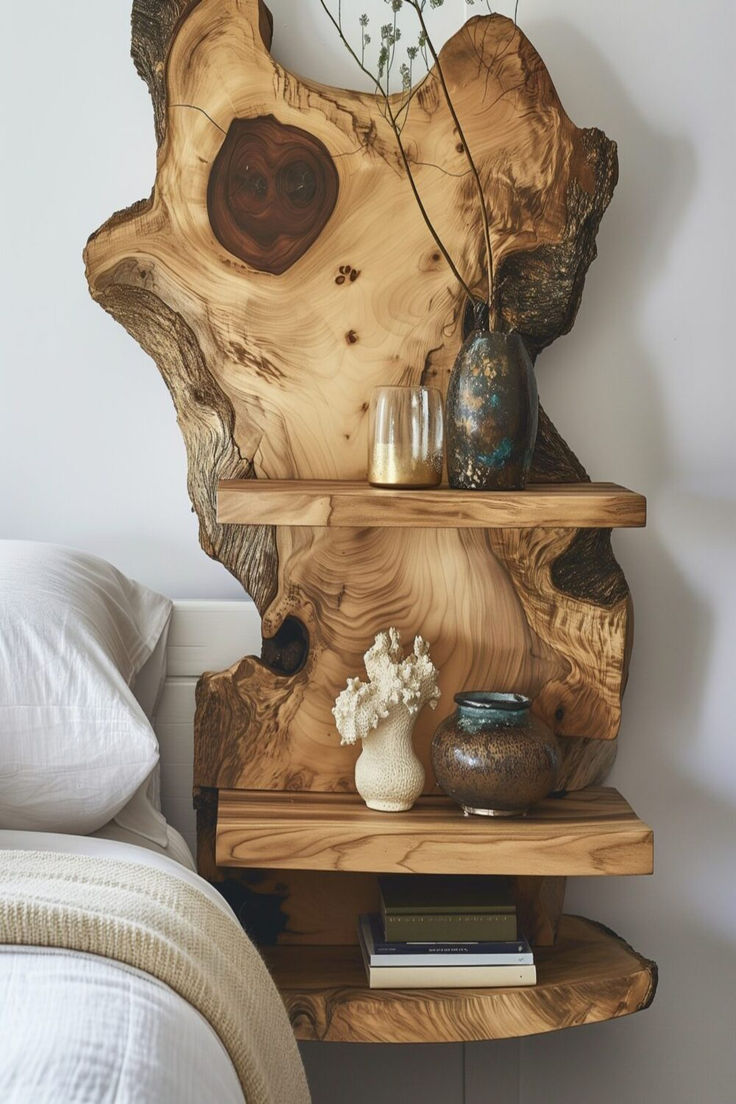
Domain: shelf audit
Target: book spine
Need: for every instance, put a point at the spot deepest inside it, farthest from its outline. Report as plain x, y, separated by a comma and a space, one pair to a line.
515, 949
450, 977
450, 928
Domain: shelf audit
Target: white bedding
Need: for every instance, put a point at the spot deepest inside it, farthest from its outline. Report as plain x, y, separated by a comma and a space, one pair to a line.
80, 1029
113, 844
79, 755
175, 846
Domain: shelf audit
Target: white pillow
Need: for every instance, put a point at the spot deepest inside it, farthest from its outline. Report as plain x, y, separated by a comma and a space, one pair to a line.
75, 744
142, 814
149, 682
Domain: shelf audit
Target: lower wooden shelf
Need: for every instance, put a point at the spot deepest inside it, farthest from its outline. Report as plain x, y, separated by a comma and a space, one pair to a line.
590, 975
592, 831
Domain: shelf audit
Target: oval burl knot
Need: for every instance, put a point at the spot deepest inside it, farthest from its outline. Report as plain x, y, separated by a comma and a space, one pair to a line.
272, 189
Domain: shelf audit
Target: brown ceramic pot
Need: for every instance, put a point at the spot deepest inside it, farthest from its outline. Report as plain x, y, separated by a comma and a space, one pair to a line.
493, 755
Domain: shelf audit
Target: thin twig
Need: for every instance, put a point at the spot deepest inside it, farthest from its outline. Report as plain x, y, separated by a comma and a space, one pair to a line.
466, 149
393, 55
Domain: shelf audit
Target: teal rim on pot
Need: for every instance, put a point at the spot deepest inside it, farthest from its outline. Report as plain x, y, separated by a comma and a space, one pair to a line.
490, 700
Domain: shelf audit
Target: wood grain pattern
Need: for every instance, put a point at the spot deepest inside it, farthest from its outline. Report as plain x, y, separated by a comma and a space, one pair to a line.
483, 600
271, 374
591, 832
590, 975
319, 907
539, 904
355, 505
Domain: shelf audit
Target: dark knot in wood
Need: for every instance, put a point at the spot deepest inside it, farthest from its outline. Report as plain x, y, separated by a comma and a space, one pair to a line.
272, 189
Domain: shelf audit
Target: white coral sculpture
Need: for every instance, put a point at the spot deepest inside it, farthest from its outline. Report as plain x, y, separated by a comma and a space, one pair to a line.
382, 713
392, 681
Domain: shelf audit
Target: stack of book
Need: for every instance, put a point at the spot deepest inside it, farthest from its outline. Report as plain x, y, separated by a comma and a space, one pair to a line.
445, 933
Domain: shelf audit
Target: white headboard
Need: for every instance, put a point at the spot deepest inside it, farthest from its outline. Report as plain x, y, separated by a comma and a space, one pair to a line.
205, 635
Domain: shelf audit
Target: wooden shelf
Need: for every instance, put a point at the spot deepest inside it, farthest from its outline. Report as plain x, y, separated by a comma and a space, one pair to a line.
589, 975
591, 831
358, 505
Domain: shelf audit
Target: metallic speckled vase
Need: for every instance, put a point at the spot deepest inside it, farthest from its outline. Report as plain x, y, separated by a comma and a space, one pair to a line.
491, 412
493, 755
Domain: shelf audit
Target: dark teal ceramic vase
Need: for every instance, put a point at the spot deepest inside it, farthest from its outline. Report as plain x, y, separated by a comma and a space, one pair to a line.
491, 412
493, 755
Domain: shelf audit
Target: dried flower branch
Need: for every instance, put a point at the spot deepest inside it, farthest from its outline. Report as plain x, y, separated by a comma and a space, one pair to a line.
392, 116
396, 116
418, 6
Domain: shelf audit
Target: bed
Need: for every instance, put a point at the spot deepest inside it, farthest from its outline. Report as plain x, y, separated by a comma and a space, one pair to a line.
123, 975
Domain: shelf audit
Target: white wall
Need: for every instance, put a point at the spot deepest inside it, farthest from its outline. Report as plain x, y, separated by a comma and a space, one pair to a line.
643, 389
91, 453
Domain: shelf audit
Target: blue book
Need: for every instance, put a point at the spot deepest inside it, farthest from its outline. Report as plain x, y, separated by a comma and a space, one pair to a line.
515, 952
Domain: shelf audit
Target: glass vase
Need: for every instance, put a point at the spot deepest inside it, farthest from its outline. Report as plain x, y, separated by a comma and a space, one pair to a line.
405, 437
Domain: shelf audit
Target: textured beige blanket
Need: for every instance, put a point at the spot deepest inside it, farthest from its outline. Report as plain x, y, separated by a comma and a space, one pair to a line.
154, 921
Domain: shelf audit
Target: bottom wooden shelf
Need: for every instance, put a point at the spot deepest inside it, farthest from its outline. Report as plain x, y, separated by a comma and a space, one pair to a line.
589, 975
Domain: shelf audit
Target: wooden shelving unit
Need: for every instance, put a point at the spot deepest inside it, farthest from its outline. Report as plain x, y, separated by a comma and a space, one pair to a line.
591, 831
311, 502
589, 975
510, 589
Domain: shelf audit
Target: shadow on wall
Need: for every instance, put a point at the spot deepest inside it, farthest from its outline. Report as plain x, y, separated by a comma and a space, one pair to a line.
446, 1073
601, 383
673, 736
368, 1073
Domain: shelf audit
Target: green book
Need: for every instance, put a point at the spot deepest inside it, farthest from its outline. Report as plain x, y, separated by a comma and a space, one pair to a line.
446, 908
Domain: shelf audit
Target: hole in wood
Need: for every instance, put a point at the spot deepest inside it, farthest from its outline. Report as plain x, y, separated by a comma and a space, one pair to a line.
286, 652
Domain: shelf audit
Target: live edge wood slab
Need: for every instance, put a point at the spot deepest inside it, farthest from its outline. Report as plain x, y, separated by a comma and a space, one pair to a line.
588, 976
263, 276
592, 831
279, 271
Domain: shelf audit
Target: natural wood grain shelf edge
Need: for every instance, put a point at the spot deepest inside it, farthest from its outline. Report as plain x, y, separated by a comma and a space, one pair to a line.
589, 832
358, 505
590, 975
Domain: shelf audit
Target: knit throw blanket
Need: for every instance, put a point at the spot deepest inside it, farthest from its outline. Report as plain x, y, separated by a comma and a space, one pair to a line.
151, 920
